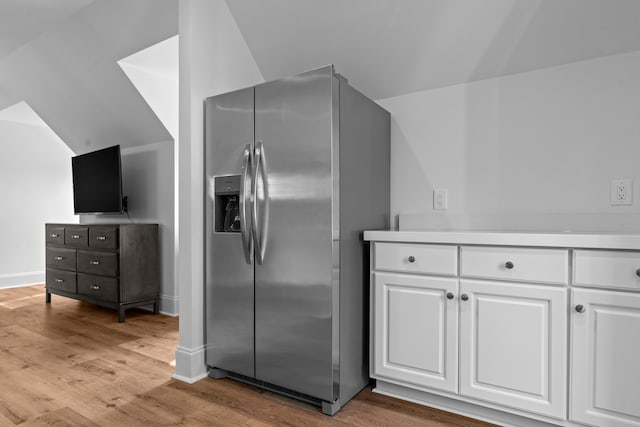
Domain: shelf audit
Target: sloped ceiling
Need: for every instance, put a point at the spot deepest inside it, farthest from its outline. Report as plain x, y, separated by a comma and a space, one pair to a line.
61, 56
69, 73
393, 47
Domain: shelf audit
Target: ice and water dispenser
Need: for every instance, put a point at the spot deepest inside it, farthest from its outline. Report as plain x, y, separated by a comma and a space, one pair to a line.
227, 204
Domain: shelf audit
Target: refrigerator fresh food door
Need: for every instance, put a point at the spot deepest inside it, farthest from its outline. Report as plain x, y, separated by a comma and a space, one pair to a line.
229, 290
296, 314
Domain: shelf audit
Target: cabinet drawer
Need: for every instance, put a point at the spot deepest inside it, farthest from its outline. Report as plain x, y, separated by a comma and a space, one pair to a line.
61, 280
54, 235
76, 237
416, 258
102, 263
607, 269
102, 288
64, 259
103, 237
519, 264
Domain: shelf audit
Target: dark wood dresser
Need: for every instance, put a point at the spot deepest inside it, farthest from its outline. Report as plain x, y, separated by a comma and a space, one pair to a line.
111, 265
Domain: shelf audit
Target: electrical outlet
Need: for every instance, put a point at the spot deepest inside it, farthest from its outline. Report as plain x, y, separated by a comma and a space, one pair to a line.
440, 199
621, 192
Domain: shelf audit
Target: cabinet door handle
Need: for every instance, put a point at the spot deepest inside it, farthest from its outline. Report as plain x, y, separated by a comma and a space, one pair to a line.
59, 258
54, 235
59, 280
95, 287
75, 236
580, 308
450, 295
101, 238
508, 265
464, 297
94, 262
412, 258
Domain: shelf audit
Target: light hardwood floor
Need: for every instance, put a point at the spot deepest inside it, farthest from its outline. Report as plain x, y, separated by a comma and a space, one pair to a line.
71, 363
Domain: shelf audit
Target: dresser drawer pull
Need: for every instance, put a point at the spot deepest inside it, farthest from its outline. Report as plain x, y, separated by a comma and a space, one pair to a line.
59, 258
95, 287
508, 265
101, 238
464, 297
59, 280
75, 236
638, 272
580, 308
54, 235
94, 262
412, 258
450, 295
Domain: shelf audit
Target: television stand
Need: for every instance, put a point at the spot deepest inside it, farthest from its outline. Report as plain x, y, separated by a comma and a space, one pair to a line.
110, 265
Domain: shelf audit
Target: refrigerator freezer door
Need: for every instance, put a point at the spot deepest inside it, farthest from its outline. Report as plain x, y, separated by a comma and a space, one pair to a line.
294, 305
229, 290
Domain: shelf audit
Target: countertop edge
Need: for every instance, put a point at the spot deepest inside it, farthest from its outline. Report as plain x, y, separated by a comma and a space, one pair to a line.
508, 238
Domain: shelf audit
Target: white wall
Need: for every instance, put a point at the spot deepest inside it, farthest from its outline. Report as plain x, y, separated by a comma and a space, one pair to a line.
536, 150
214, 59
148, 183
35, 188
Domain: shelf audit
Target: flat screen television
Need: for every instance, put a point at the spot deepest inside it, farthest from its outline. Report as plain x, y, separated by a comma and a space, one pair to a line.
97, 182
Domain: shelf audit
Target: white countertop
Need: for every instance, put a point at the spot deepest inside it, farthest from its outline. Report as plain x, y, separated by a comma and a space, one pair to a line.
510, 238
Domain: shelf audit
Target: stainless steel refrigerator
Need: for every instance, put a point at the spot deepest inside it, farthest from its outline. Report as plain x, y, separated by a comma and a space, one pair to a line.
295, 170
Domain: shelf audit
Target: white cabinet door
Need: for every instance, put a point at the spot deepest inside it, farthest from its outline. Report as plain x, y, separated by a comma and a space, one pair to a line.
416, 330
513, 345
605, 358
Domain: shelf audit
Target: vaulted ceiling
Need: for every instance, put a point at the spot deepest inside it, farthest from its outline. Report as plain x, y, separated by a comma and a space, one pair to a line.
61, 56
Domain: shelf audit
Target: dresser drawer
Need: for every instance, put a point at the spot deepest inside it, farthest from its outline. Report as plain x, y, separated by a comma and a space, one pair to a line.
61, 258
607, 269
102, 288
102, 263
416, 258
512, 263
61, 280
103, 237
54, 235
77, 237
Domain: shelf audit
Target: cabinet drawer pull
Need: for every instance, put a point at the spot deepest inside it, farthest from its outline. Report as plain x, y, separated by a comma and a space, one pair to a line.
412, 258
508, 265
580, 308
59, 258
59, 280
101, 238
75, 236
94, 262
464, 297
450, 295
95, 287
54, 235
638, 272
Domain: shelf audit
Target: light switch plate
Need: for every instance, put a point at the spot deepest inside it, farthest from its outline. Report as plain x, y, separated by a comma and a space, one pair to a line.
440, 198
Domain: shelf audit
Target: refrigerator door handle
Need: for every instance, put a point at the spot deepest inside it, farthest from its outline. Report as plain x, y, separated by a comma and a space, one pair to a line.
245, 199
260, 228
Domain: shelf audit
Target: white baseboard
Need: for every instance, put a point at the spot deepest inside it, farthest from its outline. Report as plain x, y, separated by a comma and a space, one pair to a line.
169, 305
21, 279
190, 364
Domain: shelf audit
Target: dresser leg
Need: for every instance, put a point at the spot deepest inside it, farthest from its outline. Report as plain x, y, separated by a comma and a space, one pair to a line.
47, 299
121, 315
156, 307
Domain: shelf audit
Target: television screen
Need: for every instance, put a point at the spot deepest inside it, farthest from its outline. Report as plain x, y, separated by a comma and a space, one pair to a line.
97, 181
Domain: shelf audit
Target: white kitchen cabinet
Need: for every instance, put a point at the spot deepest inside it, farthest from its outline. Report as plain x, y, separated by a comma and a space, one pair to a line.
416, 330
605, 357
513, 345
523, 355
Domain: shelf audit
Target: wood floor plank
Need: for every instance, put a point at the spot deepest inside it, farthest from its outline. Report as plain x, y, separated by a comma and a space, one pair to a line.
71, 363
